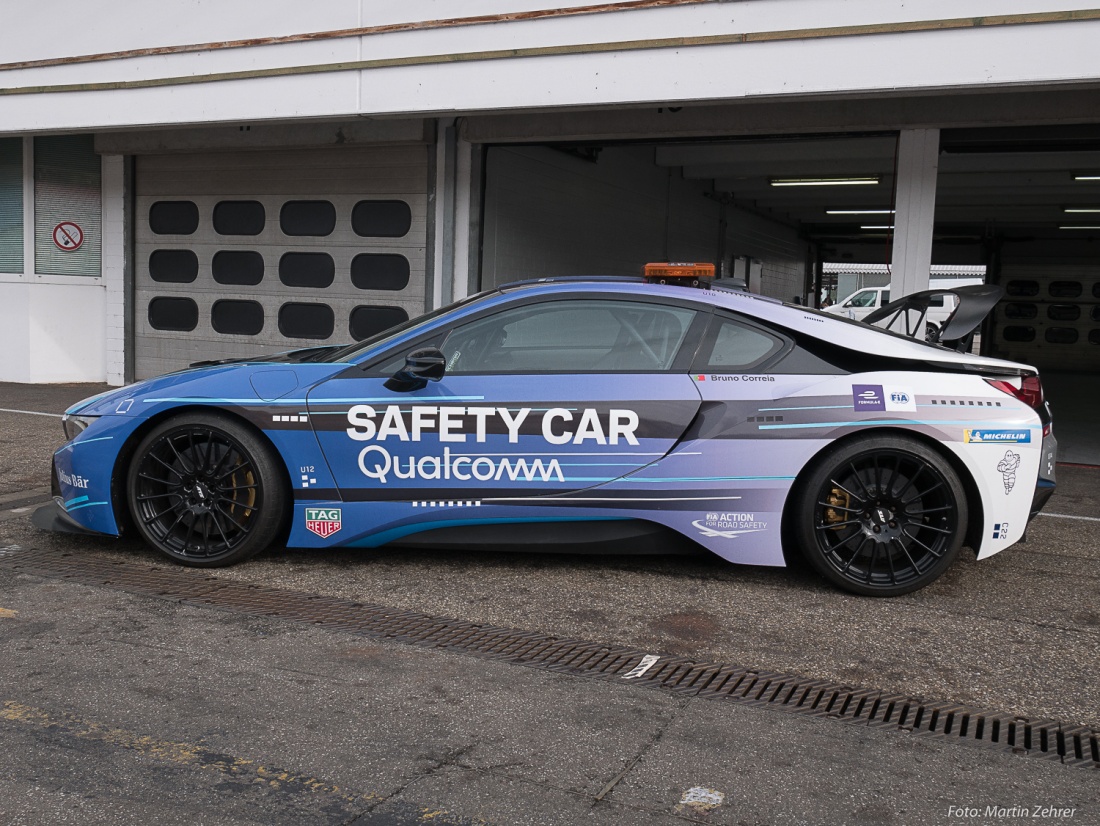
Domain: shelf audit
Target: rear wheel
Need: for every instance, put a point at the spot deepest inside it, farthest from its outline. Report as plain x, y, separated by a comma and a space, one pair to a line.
206, 491
881, 516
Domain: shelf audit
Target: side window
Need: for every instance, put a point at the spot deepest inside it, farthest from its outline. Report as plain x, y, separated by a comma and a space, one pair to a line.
581, 336
936, 301
736, 346
885, 298
866, 298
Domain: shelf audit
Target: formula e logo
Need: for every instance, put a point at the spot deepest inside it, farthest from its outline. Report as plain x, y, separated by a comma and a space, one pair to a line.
868, 397
323, 521
997, 437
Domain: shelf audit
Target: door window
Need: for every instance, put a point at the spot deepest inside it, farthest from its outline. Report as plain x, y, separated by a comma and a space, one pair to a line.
862, 299
582, 336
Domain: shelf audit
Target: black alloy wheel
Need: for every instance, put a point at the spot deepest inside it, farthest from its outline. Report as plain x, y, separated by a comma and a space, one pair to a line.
206, 491
881, 516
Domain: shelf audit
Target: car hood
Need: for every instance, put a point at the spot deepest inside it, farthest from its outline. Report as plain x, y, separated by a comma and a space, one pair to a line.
225, 383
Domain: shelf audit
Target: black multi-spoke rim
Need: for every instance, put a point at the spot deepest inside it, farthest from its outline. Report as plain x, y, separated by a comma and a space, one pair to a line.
197, 492
885, 518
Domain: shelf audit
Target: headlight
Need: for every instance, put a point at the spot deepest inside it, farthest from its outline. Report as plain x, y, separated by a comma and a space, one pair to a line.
75, 425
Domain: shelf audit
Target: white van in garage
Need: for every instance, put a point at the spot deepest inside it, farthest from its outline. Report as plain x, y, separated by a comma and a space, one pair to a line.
863, 302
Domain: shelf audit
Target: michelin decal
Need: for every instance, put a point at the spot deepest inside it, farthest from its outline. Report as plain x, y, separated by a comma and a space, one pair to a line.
558, 426
997, 437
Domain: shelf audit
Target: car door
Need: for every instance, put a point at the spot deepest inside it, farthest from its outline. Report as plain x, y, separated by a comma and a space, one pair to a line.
539, 398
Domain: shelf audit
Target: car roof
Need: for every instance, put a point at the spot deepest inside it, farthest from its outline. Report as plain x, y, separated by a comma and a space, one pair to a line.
834, 329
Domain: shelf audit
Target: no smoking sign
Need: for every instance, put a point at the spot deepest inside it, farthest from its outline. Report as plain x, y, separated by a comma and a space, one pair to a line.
68, 236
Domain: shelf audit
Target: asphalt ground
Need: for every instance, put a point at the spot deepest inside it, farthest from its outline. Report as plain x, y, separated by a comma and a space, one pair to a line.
99, 685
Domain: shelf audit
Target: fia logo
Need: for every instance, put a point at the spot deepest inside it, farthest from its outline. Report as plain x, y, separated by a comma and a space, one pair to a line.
898, 397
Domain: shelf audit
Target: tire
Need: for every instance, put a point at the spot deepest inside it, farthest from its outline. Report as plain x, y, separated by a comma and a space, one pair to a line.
931, 333
206, 491
880, 516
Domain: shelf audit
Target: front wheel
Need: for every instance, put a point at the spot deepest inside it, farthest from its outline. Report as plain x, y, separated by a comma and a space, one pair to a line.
206, 491
881, 516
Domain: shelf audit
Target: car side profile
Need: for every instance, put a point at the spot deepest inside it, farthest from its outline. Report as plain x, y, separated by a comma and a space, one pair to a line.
590, 413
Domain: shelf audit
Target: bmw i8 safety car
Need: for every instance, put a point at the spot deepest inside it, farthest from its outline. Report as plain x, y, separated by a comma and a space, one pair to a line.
591, 413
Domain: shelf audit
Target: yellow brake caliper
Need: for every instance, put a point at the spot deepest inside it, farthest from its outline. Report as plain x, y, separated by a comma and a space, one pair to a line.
837, 499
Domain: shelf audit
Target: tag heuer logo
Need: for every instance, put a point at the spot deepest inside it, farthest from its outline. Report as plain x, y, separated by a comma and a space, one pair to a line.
323, 521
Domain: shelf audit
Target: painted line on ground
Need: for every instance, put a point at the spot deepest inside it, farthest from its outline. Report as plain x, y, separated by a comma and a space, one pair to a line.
282, 788
181, 753
1070, 516
24, 495
31, 413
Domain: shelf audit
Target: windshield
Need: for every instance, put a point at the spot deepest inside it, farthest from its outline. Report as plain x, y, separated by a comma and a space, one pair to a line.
355, 350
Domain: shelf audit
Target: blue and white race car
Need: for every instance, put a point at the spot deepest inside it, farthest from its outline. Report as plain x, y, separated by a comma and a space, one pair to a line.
595, 413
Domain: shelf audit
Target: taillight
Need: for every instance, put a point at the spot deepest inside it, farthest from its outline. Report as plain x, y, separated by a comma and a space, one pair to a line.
1030, 391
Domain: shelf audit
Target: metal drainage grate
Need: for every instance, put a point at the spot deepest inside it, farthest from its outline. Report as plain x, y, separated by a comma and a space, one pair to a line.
1047, 739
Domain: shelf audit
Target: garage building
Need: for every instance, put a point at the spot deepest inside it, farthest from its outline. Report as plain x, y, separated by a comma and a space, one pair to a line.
252, 179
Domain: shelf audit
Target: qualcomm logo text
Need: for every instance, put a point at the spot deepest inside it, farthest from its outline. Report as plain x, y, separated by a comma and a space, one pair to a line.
376, 462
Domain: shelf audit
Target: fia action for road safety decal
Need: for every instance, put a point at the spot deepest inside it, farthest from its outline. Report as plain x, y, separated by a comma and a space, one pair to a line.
729, 525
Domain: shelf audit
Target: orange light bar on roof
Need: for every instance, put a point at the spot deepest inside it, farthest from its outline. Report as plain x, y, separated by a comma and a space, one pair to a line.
679, 270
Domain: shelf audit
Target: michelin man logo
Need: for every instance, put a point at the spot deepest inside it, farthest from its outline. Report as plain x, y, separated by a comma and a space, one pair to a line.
1007, 468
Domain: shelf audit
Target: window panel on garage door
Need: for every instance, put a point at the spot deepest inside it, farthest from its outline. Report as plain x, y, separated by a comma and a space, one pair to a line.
307, 247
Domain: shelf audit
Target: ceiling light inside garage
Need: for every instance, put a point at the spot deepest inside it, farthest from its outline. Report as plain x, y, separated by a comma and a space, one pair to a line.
1081, 209
823, 181
859, 212
1086, 177
1079, 227
877, 226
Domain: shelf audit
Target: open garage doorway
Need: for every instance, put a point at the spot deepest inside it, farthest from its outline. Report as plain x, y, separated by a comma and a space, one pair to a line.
768, 212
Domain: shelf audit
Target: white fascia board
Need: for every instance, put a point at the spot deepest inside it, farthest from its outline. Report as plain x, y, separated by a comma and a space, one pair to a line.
868, 64
876, 64
284, 98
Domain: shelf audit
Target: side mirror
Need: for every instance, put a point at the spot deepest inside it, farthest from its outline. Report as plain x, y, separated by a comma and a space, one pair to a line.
421, 366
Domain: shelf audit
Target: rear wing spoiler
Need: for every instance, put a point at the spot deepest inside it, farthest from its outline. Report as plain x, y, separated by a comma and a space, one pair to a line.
907, 315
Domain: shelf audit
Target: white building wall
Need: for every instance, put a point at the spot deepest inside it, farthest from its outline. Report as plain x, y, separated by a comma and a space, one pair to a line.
419, 57
52, 327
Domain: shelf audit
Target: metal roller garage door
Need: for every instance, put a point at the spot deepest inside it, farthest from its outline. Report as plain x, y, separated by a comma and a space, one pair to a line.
241, 253
1050, 316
